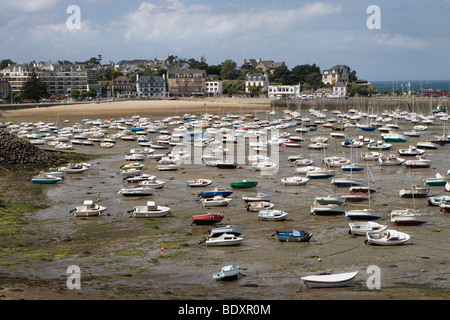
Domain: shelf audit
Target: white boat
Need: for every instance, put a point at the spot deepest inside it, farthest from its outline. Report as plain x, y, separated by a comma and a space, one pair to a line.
74, 167
412, 151
259, 197
134, 165
216, 201
363, 214
415, 191
303, 162
265, 166
390, 160
371, 155
272, 215
330, 280
130, 172
230, 229
336, 161
427, 145
89, 208
387, 237
417, 163
137, 191
305, 170
259, 205
328, 209
199, 183
168, 167
320, 174
294, 181
224, 240
229, 272
362, 227
329, 199
151, 210
135, 157
408, 217
153, 182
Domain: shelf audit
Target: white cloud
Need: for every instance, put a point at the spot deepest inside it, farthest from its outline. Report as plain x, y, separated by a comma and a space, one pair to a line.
26, 6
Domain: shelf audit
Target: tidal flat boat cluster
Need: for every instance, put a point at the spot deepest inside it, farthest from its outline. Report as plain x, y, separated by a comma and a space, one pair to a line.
336, 150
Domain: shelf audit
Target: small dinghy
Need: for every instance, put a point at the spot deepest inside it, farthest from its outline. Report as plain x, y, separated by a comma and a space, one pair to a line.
199, 183
216, 201
137, 191
258, 206
230, 272
294, 181
387, 238
224, 240
272, 215
330, 280
207, 219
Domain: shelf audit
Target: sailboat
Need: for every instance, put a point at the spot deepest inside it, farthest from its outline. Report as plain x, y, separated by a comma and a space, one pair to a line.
366, 213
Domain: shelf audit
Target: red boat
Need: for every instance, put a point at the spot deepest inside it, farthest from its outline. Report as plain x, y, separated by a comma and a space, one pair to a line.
362, 189
292, 144
207, 219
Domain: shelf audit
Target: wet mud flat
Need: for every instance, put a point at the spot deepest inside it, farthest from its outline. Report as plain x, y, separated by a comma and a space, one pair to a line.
121, 257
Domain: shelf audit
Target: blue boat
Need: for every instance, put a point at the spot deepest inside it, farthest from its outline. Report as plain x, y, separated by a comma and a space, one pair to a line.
216, 192
367, 128
343, 182
230, 272
294, 236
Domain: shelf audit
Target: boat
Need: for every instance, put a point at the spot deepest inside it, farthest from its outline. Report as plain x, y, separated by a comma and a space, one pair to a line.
226, 165
371, 155
439, 180
330, 280
427, 145
292, 144
351, 143
134, 165
89, 208
415, 191
294, 181
135, 157
230, 229
320, 174
387, 237
436, 201
363, 214
215, 192
224, 240
379, 146
360, 228
412, 151
393, 137
294, 236
352, 167
390, 160
328, 209
330, 199
408, 217
303, 162
207, 219
447, 186
445, 207
260, 196
362, 189
355, 197
152, 182
199, 183
216, 201
151, 210
259, 205
130, 172
305, 170
318, 146
168, 167
272, 215
45, 178
336, 161
417, 163
345, 182
246, 183
265, 166
230, 272
137, 191
72, 168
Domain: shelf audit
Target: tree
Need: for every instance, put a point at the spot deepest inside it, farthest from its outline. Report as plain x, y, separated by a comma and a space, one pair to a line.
309, 76
76, 94
34, 89
281, 75
5, 62
228, 70
351, 75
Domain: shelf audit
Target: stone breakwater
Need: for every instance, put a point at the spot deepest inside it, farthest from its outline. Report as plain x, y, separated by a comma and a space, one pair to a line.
14, 150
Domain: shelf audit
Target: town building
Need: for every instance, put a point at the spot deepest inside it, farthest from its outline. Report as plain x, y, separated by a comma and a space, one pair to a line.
61, 83
124, 87
214, 88
264, 65
256, 83
284, 92
151, 87
5, 88
17, 74
340, 90
186, 83
323, 93
338, 73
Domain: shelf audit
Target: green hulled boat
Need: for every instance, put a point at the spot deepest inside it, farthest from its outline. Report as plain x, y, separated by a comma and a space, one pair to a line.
244, 184
44, 178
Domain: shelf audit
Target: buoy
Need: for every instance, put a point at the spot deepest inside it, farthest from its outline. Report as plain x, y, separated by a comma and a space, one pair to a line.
423, 270
319, 260
162, 249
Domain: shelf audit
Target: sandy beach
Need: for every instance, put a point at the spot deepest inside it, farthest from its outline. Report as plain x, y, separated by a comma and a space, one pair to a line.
142, 108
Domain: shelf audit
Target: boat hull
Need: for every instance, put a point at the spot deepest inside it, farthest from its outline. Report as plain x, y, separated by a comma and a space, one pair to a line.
330, 281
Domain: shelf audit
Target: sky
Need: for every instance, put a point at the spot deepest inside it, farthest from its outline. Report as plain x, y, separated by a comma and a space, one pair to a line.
412, 42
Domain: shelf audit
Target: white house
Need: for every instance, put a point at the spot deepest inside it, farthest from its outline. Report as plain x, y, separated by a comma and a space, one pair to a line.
340, 90
256, 82
284, 91
214, 88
